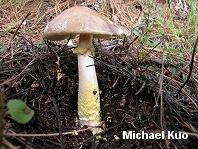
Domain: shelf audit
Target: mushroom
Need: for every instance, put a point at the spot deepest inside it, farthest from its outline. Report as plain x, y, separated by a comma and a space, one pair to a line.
88, 24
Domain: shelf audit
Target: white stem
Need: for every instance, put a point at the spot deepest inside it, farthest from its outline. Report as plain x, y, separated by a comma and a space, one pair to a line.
88, 96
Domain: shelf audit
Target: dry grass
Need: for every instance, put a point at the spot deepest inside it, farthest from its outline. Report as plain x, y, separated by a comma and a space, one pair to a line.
139, 82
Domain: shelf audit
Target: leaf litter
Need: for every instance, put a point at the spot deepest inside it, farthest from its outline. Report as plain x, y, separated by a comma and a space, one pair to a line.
139, 92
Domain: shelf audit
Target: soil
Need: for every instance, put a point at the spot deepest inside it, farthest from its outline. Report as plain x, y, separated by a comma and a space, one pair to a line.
133, 96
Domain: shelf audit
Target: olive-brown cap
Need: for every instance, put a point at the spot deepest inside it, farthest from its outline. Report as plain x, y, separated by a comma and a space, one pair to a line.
82, 20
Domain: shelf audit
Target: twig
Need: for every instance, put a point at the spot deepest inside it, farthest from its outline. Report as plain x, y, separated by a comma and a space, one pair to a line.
161, 95
2, 99
10, 42
30, 63
115, 82
191, 65
132, 42
44, 135
8, 144
162, 119
59, 123
66, 42
189, 133
143, 85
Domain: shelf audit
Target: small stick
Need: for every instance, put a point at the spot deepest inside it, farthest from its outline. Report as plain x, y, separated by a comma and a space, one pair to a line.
10, 42
191, 65
59, 123
132, 42
2, 99
43, 135
8, 144
143, 85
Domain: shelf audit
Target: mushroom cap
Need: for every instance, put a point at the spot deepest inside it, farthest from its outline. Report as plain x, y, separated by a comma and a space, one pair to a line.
82, 20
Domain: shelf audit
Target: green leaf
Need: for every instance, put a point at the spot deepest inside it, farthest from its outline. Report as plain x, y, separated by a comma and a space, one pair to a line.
142, 53
184, 77
136, 33
19, 111
3, 49
173, 70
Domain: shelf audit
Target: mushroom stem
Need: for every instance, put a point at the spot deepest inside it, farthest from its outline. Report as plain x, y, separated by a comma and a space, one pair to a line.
88, 95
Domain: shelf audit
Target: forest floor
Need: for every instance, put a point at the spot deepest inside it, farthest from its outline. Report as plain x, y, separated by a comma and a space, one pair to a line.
140, 77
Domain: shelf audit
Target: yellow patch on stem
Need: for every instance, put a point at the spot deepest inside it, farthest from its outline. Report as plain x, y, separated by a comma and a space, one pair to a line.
89, 102
83, 51
59, 71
